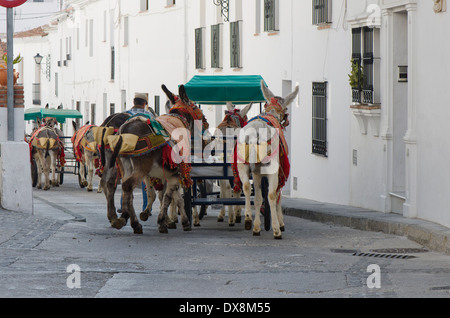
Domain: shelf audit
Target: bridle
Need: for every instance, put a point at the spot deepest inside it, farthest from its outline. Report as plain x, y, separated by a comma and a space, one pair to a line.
276, 106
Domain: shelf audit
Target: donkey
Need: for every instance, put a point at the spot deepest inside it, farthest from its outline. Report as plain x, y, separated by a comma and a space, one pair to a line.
260, 133
160, 163
85, 150
111, 174
234, 120
47, 149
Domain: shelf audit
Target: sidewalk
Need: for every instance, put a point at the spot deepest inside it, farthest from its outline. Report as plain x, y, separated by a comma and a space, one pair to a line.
433, 236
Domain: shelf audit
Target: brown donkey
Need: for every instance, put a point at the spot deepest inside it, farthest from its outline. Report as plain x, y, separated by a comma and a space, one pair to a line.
169, 161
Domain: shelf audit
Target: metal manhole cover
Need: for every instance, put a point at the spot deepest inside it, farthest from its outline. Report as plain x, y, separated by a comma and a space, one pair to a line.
344, 251
382, 255
401, 251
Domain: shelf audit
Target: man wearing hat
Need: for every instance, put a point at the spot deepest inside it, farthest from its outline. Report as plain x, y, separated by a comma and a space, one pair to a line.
141, 105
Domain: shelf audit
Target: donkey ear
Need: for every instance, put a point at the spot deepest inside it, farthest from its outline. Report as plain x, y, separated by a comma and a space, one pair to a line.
246, 109
169, 94
230, 106
268, 95
183, 95
291, 97
168, 107
74, 124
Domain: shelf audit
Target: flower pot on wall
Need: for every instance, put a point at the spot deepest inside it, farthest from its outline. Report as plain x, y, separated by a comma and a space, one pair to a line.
4, 77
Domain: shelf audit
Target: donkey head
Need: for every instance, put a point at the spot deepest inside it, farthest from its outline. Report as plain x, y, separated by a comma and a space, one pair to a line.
278, 106
235, 118
182, 106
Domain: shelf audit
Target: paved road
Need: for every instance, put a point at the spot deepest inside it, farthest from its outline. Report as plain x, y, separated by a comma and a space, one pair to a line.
69, 227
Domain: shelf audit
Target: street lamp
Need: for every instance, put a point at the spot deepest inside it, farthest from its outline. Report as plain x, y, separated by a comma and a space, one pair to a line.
38, 59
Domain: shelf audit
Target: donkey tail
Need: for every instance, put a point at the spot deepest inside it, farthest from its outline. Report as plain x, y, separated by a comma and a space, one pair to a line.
116, 153
102, 149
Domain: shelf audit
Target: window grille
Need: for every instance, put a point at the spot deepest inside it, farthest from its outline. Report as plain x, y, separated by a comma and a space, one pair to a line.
199, 49
215, 46
321, 11
270, 15
319, 117
235, 45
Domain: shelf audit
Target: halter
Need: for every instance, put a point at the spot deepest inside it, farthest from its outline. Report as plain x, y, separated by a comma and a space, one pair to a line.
276, 106
235, 116
190, 109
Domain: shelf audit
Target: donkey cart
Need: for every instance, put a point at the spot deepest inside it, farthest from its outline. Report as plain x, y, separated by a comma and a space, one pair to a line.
61, 115
221, 90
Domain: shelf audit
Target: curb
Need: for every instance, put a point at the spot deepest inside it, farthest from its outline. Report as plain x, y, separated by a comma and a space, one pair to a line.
433, 236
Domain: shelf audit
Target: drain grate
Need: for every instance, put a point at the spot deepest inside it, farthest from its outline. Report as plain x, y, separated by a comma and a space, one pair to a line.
384, 255
401, 251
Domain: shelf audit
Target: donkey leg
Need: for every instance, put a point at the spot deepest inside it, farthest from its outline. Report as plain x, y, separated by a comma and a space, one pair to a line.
127, 200
258, 203
55, 183
164, 221
221, 216
180, 204
108, 182
89, 156
47, 173
237, 208
280, 213
245, 179
273, 198
151, 198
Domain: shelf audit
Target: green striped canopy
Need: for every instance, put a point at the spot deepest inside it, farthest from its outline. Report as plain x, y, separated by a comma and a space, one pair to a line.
218, 90
60, 114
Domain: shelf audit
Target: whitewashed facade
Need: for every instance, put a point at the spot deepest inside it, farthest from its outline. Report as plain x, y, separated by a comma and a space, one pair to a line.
387, 152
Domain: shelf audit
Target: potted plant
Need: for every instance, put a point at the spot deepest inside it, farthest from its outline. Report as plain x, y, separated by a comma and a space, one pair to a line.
356, 81
3, 69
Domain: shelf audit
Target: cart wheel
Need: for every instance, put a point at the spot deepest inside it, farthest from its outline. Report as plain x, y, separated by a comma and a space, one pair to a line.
201, 188
61, 175
34, 173
267, 214
82, 186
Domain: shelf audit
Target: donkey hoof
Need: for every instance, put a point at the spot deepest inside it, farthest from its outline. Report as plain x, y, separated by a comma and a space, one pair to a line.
231, 224
256, 233
138, 229
163, 230
144, 216
282, 229
248, 225
220, 220
85, 183
197, 224
238, 219
172, 226
278, 237
187, 228
46, 188
118, 224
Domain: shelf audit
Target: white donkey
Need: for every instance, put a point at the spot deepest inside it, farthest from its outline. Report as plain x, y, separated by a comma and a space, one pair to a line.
262, 132
234, 120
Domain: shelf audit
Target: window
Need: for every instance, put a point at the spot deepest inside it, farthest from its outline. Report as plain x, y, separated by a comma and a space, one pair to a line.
93, 106
91, 38
365, 52
125, 31
235, 45
113, 63
144, 5
56, 84
171, 2
112, 109
270, 15
319, 118
321, 11
157, 105
199, 48
215, 46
